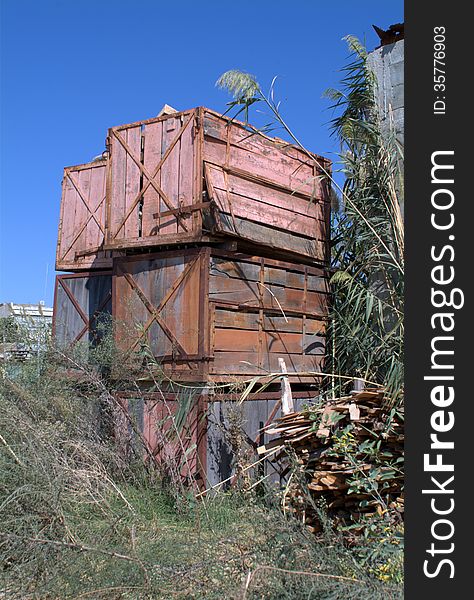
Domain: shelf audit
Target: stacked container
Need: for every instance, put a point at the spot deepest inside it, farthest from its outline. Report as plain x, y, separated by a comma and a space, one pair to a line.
208, 242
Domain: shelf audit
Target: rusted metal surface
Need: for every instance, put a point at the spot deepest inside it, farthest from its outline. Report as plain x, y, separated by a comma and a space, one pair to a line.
196, 176
152, 180
211, 315
199, 446
157, 302
165, 432
193, 176
81, 301
82, 219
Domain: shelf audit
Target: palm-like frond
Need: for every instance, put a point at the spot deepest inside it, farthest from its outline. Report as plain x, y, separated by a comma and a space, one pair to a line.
366, 328
367, 325
242, 86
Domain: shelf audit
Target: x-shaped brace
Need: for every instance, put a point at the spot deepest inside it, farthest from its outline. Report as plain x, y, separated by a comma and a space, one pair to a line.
87, 322
155, 312
150, 177
91, 214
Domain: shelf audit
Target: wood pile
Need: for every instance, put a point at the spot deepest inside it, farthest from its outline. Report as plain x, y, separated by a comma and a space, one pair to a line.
350, 456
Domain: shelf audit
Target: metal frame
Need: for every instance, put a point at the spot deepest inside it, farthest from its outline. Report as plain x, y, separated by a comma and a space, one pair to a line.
149, 178
192, 233
68, 175
60, 281
203, 401
197, 362
200, 363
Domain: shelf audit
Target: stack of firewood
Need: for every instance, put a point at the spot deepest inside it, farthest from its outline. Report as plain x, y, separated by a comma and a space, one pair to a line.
348, 453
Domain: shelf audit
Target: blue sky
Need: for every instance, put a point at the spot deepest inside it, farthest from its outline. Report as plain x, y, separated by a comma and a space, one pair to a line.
72, 68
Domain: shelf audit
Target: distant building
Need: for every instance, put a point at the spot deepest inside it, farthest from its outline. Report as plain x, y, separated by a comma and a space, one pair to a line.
25, 329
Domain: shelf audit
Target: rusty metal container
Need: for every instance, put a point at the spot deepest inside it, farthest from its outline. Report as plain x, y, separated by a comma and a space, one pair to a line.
193, 177
212, 315
203, 451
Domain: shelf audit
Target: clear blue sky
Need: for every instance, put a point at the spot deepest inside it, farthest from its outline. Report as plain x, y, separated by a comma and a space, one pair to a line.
72, 68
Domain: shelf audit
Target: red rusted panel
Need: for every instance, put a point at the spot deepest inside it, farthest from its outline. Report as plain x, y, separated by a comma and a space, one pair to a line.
262, 310
168, 429
173, 441
250, 152
157, 303
261, 203
186, 433
194, 176
82, 220
81, 303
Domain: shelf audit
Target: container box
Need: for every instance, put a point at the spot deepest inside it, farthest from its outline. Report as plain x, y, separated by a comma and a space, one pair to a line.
213, 315
193, 177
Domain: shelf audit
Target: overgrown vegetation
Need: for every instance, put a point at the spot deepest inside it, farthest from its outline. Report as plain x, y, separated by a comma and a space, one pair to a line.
367, 237
9, 331
366, 330
80, 518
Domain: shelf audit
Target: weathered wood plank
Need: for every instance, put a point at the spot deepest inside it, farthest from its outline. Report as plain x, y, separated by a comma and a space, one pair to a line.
264, 156
237, 269
82, 221
242, 132
132, 182
187, 169
261, 192
270, 237
285, 275
292, 266
83, 208
279, 342
235, 319
294, 324
170, 174
244, 363
152, 134
272, 216
233, 290
246, 341
95, 236
240, 291
116, 196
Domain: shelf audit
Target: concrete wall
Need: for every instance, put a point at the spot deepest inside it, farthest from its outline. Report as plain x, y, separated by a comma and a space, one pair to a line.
387, 63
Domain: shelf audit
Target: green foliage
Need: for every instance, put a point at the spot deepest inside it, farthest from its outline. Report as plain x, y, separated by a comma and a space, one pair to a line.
384, 466
9, 330
367, 237
243, 87
79, 518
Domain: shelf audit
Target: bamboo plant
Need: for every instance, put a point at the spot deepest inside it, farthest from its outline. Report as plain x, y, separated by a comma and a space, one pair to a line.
366, 330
